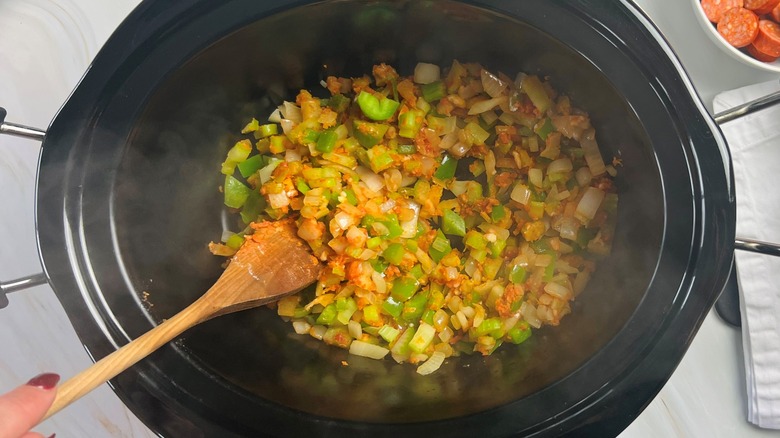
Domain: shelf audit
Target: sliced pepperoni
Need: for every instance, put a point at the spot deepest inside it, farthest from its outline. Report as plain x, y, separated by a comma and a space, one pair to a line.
761, 7
776, 13
768, 38
761, 56
739, 26
714, 9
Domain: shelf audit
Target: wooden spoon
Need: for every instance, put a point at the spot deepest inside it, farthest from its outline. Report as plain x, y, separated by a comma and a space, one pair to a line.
271, 264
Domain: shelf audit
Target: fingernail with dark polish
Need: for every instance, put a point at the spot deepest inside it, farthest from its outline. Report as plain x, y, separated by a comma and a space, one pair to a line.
45, 381
52, 435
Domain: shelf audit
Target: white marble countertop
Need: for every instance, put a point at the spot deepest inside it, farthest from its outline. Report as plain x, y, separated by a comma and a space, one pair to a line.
45, 47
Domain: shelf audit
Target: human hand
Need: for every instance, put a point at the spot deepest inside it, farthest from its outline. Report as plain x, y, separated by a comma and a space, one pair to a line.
25, 406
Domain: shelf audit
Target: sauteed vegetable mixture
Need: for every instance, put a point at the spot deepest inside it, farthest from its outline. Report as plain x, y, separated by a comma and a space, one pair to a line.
455, 211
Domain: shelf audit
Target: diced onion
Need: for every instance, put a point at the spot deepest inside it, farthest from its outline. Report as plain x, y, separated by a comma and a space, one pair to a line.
355, 329
580, 281
425, 73
276, 116
611, 170
561, 165
287, 125
301, 327
521, 194
278, 200
592, 153
590, 203
491, 84
410, 227
379, 281
459, 149
387, 205
292, 155
432, 364
265, 173
291, 112
490, 163
536, 177
449, 140
373, 181
486, 105
459, 187
360, 348
529, 314
318, 331
583, 176
489, 117
557, 290
568, 227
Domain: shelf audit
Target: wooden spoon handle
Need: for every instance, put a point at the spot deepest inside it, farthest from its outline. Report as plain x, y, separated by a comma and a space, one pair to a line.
125, 357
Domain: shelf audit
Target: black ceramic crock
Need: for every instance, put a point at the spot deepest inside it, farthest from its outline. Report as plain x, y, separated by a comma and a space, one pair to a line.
127, 200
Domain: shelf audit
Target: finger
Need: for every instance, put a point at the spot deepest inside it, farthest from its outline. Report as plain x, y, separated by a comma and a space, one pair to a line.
25, 406
32, 435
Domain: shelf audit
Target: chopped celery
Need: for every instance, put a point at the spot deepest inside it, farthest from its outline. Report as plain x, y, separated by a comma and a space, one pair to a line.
267, 130
252, 126
422, 338
389, 333
371, 315
433, 91
475, 239
410, 122
237, 154
406, 149
326, 142
545, 128
368, 134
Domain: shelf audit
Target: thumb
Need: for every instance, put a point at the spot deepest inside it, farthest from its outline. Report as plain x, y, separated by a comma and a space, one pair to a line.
25, 406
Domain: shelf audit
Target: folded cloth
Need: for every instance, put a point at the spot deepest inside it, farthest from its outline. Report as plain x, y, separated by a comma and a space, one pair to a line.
754, 142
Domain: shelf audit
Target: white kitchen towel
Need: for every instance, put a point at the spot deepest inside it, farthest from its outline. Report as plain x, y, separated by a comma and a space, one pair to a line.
754, 142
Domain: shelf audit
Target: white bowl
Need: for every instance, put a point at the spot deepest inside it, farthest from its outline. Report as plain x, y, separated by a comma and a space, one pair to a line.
712, 32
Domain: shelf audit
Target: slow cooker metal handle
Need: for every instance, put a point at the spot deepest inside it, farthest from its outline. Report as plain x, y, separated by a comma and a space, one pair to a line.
733, 114
7, 287
19, 130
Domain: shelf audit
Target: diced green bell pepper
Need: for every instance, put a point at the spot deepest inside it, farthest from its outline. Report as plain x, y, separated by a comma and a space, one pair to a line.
393, 307
236, 192
328, 315
452, 223
414, 308
251, 165
376, 108
403, 288
447, 168
394, 253
519, 333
